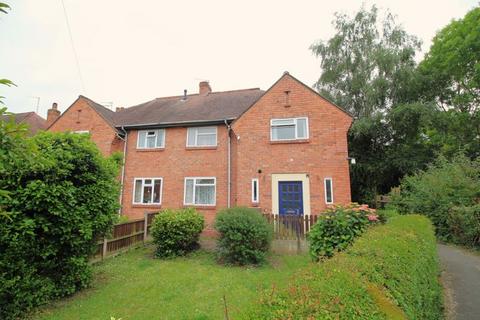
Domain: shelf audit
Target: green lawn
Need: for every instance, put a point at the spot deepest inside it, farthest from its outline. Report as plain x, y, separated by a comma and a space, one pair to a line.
137, 286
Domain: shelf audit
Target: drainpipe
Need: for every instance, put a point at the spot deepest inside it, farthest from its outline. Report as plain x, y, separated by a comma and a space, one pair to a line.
229, 183
123, 169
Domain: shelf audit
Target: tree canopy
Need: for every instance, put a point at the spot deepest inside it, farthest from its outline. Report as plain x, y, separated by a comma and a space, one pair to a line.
367, 66
407, 114
451, 69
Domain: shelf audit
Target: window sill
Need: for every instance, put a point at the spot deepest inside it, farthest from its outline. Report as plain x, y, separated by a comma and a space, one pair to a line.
152, 206
201, 148
290, 141
254, 204
200, 207
150, 150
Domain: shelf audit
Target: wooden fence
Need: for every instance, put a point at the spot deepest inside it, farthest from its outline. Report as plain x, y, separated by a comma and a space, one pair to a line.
291, 226
125, 235
381, 201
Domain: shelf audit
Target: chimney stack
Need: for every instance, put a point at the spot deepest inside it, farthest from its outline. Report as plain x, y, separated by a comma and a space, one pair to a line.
52, 114
204, 88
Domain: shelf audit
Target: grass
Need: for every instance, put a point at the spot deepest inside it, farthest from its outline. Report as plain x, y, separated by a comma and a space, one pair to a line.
137, 286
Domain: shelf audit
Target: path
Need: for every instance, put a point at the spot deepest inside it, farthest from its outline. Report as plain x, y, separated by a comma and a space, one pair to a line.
461, 279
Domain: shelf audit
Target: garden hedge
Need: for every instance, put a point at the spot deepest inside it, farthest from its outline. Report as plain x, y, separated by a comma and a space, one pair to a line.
390, 272
58, 195
447, 192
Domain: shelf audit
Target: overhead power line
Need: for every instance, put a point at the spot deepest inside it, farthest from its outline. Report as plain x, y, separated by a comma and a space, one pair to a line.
73, 47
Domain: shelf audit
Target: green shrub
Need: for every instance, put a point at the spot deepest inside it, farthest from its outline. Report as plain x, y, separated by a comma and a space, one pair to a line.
337, 227
464, 224
390, 272
61, 195
435, 191
176, 232
245, 236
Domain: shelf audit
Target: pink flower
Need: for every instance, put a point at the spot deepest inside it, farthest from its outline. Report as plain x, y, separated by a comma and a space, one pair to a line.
372, 217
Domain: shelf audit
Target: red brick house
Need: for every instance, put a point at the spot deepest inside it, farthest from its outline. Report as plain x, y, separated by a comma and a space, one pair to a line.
283, 150
34, 122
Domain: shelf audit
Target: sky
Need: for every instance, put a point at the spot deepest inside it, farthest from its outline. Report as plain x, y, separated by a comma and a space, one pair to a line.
130, 52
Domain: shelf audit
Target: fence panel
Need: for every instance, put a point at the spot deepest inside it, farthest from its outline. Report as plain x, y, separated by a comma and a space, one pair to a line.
125, 235
290, 226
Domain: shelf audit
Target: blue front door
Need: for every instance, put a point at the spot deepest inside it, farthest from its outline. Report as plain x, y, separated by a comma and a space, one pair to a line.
290, 197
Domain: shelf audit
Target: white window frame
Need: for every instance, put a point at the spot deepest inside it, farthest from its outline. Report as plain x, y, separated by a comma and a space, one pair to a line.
325, 189
194, 186
257, 193
143, 184
195, 145
295, 120
146, 134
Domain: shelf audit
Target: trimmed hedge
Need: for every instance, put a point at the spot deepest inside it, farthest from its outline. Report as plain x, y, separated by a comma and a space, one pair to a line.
176, 232
391, 272
245, 236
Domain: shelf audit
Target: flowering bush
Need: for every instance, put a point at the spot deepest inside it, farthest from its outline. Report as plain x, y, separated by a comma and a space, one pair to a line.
338, 226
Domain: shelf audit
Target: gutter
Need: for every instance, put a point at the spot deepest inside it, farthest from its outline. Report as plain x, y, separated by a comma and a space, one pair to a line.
229, 176
120, 211
177, 123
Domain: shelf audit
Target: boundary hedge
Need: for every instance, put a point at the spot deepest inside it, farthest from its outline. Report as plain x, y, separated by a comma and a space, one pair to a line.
391, 272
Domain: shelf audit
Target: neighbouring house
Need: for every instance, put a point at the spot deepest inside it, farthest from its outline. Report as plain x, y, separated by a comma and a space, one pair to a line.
34, 122
283, 150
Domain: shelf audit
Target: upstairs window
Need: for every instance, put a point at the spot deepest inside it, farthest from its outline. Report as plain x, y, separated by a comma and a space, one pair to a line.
151, 139
147, 191
289, 129
200, 191
202, 137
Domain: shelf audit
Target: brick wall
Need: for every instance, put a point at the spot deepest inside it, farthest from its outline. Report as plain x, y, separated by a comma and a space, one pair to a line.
323, 155
80, 116
173, 164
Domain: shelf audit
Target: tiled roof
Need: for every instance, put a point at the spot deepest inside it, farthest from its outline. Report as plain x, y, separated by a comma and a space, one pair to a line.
106, 113
215, 106
34, 121
170, 111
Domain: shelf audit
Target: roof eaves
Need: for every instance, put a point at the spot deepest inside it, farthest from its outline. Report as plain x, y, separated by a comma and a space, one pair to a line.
175, 123
93, 105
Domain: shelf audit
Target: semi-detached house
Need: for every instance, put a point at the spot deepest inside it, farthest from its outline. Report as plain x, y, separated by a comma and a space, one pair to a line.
283, 150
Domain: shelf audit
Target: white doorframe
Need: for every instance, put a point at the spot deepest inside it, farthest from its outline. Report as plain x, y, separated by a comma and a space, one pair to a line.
277, 177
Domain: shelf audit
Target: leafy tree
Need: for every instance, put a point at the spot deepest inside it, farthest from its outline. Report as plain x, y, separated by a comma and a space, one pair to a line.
6, 82
62, 196
451, 69
368, 65
389, 146
452, 132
